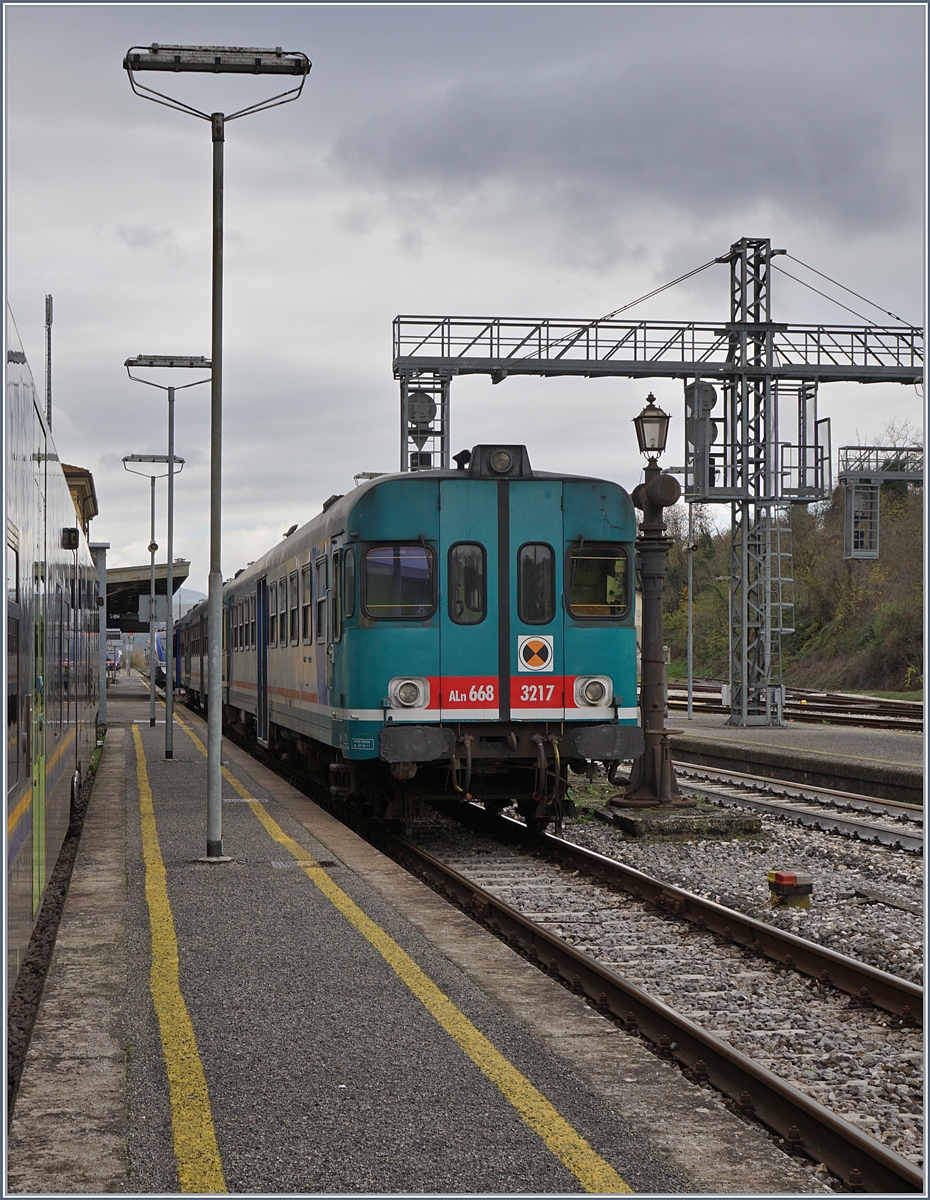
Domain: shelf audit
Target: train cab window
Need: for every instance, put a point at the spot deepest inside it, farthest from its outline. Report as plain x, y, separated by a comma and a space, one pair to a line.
535, 583
306, 610
399, 583
295, 611
282, 610
598, 580
252, 621
467, 583
348, 575
272, 614
322, 583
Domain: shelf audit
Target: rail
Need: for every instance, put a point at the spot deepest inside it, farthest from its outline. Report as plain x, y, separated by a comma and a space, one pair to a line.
859, 1160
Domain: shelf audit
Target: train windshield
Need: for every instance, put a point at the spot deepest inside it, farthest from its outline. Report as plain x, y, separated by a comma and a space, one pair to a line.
399, 583
467, 589
598, 580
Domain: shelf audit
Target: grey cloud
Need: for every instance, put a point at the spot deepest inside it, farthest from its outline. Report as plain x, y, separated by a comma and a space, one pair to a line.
146, 237
705, 133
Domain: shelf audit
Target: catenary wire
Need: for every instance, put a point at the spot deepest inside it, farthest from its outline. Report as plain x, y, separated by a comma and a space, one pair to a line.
894, 316
663, 288
845, 307
617, 311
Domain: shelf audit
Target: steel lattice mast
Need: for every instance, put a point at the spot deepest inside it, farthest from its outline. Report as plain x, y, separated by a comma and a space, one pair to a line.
736, 453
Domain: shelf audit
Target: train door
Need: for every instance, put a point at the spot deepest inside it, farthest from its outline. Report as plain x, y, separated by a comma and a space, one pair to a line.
536, 650
335, 674
261, 647
37, 719
470, 648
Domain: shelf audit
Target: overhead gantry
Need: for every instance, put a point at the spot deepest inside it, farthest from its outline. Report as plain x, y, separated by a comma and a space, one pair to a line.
760, 450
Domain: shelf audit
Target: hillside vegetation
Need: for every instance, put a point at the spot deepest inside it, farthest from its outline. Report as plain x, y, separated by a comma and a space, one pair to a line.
858, 624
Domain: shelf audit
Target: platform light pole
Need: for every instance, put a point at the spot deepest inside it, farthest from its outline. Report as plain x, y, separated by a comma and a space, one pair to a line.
216, 60
190, 362
653, 783
153, 546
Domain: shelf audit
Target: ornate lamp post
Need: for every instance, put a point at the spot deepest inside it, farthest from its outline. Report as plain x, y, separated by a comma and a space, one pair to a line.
653, 783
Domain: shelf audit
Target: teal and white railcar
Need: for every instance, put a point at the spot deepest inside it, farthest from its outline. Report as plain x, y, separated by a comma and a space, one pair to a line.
441, 633
52, 672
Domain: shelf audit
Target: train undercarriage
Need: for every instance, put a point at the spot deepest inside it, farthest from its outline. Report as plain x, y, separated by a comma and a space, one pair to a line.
498, 765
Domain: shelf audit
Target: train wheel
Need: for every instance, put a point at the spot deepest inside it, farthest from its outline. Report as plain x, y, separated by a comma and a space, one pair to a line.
531, 812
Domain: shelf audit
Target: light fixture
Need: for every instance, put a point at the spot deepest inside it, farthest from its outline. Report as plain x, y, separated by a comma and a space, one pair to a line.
500, 461
408, 693
651, 428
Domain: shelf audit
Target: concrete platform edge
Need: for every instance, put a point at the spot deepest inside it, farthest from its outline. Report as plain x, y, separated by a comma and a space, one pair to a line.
77, 1048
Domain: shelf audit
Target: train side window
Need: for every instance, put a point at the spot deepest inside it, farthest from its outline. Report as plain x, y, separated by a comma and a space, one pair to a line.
306, 611
12, 698
348, 589
399, 583
282, 610
598, 581
467, 583
252, 621
12, 574
240, 606
322, 584
295, 611
535, 583
337, 596
272, 614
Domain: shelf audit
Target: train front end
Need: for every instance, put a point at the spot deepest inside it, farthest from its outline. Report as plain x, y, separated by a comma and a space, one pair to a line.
494, 648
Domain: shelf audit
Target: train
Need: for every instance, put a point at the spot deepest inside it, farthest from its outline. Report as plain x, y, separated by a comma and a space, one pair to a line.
160, 664
52, 646
439, 634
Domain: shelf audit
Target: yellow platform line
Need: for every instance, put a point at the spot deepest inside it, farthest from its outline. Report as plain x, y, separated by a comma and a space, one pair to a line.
594, 1174
195, 1148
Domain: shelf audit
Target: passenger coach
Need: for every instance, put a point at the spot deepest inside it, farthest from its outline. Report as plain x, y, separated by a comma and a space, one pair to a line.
52, 672
465, 632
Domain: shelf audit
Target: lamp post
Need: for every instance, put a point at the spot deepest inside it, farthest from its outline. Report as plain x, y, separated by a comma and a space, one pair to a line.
153, 546
216, 60
653, 783
194, 362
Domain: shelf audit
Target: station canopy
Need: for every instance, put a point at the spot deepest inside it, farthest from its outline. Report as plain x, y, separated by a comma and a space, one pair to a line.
129, 587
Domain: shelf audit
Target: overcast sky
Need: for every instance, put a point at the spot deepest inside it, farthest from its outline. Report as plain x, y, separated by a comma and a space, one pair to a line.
513, 160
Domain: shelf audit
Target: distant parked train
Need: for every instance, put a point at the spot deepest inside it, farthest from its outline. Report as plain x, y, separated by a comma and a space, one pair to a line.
441, 633
52, 646
160, 676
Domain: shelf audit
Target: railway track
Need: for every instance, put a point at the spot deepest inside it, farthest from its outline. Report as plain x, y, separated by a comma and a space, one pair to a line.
832, 708
541, 916
801, 1124
887, 822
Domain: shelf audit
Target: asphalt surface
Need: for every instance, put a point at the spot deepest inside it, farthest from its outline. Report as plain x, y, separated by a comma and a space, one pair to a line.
325, 1074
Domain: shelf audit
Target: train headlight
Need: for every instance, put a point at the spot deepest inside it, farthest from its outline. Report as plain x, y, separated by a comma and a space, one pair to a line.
500, 461
409, 693
593, 691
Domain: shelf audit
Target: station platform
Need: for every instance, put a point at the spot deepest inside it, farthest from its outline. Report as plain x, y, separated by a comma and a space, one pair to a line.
885, 763
308, 1018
